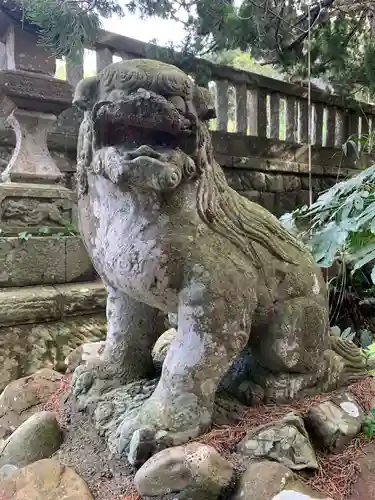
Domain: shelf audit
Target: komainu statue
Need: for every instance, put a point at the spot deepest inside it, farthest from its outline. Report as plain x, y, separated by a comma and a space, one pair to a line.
166, 233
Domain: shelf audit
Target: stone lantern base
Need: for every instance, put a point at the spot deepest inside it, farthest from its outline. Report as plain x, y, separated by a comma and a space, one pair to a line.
39, 243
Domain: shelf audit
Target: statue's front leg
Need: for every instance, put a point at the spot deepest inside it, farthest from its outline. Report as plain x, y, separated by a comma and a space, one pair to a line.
132, 330
213, 328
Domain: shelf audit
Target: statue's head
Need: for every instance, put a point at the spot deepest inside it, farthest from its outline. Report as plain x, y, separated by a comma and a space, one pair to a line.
156, 107
143, 102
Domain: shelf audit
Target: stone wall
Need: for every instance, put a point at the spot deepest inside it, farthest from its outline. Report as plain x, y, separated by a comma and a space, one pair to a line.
271, 172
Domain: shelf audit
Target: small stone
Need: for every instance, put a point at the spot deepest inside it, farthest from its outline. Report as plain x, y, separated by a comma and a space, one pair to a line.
285, 441
191, 466
83, 354
141, 447
37, 438
6, 470
44, 480
159, 352
294, 495
195, 493
334, 423
262, 480
23, 397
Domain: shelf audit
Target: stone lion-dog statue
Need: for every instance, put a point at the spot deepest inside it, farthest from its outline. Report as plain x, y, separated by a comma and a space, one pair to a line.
166, 233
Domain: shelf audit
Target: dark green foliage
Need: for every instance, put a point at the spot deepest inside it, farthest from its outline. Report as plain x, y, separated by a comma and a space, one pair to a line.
368, 425
342, 45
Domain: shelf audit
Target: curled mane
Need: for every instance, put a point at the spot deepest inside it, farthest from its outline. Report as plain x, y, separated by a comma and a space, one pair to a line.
235, 217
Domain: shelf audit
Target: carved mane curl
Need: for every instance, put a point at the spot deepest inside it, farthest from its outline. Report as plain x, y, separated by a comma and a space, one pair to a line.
235, 217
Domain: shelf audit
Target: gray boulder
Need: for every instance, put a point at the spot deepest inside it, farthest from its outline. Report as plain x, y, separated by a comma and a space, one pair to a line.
192, 466
285, 441
37, 438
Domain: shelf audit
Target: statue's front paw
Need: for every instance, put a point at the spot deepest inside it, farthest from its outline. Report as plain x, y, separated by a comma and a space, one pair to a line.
83, 379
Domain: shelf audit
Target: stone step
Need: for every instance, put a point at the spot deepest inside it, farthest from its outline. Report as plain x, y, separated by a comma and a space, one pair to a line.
26, 348
39, 304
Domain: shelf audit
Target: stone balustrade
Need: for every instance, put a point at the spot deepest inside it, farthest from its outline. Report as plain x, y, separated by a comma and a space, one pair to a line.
263, 106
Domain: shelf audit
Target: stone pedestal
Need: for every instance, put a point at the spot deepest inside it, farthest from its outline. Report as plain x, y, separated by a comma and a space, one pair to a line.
31, 159
39, 243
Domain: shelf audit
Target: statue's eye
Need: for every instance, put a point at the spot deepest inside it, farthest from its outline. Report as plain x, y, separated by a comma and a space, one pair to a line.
177, 102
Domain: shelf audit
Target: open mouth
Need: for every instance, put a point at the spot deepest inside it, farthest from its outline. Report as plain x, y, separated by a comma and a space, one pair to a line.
141, 118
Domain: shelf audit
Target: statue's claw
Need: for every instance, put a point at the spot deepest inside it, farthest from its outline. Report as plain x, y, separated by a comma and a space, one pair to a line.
82, 381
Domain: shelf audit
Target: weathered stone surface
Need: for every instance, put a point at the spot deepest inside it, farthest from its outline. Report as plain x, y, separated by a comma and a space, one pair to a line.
24, 349
161, 347
195, 493
78, 266
6, 470
258, 181
263, 480
37, 438
29, 207
229, 268
291, 183
175, 469
52, 258
46, 303
275, 183
333, 424
35, 91
364, 488
142, 446
23, 397
44, 480
31, 160
83, 354
251, 195
23, 50
82, 298
285, 441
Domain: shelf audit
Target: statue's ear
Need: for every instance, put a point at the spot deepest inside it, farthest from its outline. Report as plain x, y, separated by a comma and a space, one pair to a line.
204, 103
85, 93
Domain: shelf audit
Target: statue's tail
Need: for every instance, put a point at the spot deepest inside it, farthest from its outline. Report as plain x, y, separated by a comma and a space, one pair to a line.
345, 364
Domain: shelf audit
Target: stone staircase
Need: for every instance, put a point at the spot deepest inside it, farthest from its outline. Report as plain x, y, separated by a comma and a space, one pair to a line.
41, 325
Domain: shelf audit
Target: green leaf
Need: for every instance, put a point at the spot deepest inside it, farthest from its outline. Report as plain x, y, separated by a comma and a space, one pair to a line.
44, 230
24, 235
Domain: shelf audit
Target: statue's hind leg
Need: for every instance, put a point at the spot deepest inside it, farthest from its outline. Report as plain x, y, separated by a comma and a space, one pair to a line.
213, 327
132, 330
288, 348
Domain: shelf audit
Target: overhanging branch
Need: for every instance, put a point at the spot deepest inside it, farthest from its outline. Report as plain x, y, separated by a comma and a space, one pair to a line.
319, 13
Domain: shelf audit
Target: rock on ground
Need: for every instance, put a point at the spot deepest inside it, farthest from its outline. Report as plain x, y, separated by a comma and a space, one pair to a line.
181, 467
23, 397
37, 438
285, 441
262, 480
334, 423
268, 480
159, 352
44, 480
